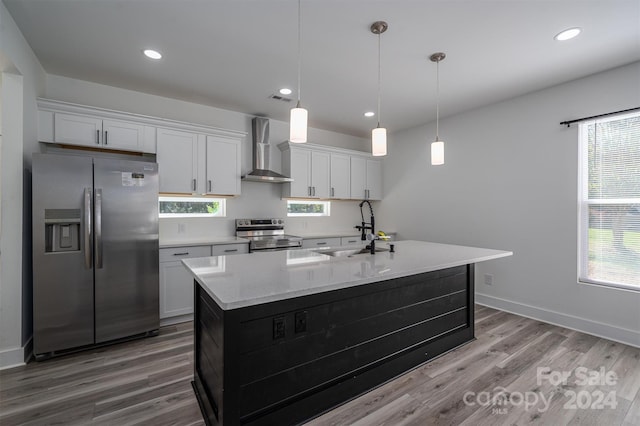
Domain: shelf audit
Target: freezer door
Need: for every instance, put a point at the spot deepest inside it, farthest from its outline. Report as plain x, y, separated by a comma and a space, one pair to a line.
126, 248
62, 257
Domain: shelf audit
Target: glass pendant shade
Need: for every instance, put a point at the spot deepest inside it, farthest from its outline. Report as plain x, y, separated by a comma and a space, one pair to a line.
298, 126
437, 153
379, 141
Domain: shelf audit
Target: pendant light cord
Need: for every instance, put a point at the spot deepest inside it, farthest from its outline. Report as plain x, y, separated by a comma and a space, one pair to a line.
379, 72
299, 53
437, 99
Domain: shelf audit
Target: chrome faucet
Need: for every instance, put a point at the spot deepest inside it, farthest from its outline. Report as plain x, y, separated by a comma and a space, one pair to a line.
370, 225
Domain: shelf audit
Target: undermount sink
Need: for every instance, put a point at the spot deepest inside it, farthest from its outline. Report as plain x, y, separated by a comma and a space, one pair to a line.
349, 252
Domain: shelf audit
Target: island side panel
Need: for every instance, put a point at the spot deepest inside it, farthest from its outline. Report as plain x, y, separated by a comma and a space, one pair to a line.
209, 361
336, 345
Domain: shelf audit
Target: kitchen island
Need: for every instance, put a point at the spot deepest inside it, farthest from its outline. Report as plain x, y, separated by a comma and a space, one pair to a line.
281, 337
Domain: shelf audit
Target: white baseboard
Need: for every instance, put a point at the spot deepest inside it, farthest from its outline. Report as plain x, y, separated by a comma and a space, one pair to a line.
15, 357
605, 331
176, 320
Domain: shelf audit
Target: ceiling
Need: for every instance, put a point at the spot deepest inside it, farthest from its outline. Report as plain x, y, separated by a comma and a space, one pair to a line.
233, 54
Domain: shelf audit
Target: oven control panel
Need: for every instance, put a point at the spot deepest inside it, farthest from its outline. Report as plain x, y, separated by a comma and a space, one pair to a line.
260, 223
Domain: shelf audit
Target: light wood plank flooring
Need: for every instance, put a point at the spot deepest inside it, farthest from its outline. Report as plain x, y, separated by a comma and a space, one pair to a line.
147, 382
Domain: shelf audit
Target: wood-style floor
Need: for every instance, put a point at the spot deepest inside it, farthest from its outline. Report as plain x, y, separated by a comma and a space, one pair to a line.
147, 382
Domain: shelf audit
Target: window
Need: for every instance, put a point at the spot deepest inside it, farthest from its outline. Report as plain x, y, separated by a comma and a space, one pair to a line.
192, 207
610, 202
308, 208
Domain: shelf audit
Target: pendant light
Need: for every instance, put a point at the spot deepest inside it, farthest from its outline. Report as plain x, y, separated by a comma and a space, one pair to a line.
437, 147
298, 121
379, 134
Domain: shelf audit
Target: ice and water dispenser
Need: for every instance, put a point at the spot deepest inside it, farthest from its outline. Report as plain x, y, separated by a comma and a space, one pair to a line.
62, 230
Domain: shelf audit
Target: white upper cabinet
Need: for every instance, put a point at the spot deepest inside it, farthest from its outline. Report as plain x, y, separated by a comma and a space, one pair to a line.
320, 174
86, 130
177, 157
77, 130
309, 170
330, 173
366, 178
122, 135
81, 125
222, 166
340, 176
297, 165
198, 164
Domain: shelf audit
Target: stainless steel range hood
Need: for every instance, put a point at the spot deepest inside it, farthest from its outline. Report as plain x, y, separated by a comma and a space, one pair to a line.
261, 155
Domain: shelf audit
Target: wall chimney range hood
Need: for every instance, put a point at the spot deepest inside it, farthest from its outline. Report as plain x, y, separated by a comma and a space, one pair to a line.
261, 155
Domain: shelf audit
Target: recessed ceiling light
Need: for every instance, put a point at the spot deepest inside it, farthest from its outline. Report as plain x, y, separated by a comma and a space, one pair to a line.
285, 91
369, 114
153, 54
567, 34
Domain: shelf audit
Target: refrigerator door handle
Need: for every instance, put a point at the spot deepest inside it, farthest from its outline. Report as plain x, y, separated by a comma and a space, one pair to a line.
87, 228
98, 229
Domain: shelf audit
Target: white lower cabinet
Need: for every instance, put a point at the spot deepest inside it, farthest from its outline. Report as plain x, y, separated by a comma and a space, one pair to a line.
349, 241
176, 283
321, 242
227, 249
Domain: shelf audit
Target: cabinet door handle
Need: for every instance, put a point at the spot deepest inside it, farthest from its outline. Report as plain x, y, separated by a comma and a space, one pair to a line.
194, 185
98, 137
333, 192
321, 243
106, 138
209, 186
181, 254
314, 190
309, 191
230, 250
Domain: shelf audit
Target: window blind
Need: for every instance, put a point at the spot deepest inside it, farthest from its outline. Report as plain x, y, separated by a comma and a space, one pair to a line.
610, 201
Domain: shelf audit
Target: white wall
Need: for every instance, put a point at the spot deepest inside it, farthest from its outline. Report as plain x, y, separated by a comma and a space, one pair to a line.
510, 181
257, 199
23, 80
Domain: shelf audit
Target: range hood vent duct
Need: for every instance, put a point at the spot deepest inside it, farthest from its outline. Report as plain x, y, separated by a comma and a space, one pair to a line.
261, 155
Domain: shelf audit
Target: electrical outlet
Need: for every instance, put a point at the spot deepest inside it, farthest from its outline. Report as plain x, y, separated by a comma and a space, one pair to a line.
300, 322
181, 228
488, 279
278, 328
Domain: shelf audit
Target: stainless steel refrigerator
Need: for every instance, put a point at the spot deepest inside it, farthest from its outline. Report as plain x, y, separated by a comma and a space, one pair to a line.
95, 251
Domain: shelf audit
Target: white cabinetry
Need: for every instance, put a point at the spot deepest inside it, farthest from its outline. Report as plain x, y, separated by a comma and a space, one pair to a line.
228, 249
366, 178
176, 283
321, 242
349, 241
223, 166
177, 161
340, 176
330, 173
309, 170
198, 164
85, 130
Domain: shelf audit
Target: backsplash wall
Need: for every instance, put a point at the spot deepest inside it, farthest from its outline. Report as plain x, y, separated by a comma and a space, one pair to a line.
263, 200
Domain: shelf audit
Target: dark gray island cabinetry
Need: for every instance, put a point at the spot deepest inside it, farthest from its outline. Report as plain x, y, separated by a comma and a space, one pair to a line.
293, 334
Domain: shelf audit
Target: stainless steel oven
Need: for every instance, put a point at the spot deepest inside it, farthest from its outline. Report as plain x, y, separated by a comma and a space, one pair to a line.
266, 235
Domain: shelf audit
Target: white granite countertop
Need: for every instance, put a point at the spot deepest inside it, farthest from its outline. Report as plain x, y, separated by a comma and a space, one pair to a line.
204, 241
252, 279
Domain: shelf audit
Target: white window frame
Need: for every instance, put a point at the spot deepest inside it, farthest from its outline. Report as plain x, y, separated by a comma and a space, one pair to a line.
221, 213
584, 202
327, 209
